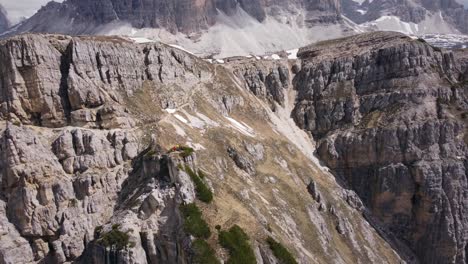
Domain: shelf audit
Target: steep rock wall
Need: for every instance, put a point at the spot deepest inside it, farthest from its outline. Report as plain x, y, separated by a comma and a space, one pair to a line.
389, 113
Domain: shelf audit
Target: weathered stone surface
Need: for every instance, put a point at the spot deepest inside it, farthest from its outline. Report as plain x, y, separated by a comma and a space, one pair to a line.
241, 161
387, 112
78, 150
264, 80
53, 82
256, 150
59, 198
313, 190
67, 178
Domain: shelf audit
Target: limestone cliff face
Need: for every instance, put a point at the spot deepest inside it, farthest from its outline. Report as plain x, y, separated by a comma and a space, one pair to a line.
86, 121
389, 114
186, 16
85, 127
65, 81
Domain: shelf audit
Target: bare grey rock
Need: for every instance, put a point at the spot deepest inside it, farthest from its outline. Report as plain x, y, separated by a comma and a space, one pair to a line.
313, 190
265, 81
78, 150
56, 81
256, 150
66, 179
14, 248
380, 106
241, 161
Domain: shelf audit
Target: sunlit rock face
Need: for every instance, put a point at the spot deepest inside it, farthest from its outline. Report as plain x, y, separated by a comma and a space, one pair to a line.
388, 114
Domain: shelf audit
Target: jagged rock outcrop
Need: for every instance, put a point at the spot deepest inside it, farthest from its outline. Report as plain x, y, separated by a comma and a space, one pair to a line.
54, 82
389, 116
265, 81
241, 161
57, 199
57, 186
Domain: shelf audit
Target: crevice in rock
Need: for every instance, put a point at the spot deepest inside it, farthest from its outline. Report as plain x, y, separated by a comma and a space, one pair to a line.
144, 244
108, 76
99, 66
160, 73
65, 64
147, 62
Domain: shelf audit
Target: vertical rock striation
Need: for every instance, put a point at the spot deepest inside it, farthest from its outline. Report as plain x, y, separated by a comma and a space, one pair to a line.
389, 114
58, 185
55, 82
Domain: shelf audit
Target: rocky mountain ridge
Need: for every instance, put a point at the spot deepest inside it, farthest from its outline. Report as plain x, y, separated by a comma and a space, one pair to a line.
84, 119
86, 125
390, 121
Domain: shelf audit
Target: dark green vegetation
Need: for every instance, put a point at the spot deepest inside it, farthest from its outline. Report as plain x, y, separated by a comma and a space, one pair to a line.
201, 174
114, 239
203, 253
237, 242
193, 221
186, 151
280, 252
204, 193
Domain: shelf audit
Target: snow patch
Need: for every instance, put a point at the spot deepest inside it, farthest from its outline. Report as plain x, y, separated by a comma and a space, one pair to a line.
275, 57
181, 119
195, 121
433, 23
181, 48
195, 146
244, 129
170, 110
141, 40
361, 11
207, 120
292, 54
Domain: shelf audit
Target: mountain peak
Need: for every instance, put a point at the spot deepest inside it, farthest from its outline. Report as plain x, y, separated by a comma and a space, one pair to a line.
4, 23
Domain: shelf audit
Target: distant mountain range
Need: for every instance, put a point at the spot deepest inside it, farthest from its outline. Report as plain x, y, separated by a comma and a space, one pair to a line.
186, 16
239, 27
433, 14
